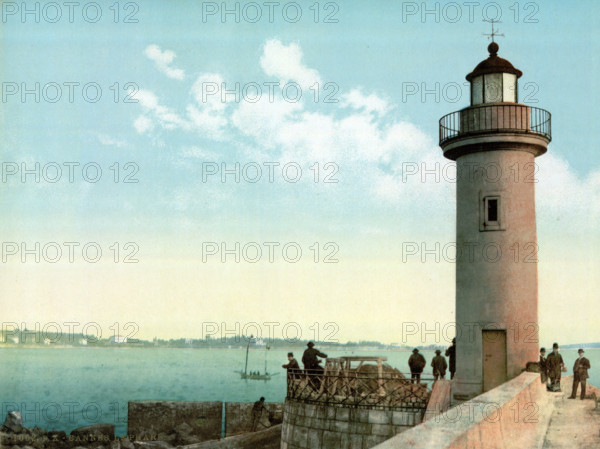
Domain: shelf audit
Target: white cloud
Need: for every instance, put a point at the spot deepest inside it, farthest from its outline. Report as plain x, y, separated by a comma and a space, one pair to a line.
206, 90
110, 141
142, 124
165, 116
564, 198
369, 103
163, 60
285, 63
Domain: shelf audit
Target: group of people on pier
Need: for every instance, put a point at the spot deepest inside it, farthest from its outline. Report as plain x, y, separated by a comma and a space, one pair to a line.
416, 363
552, 367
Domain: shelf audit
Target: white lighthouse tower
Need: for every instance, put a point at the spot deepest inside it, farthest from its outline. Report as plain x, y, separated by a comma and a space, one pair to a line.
494, 142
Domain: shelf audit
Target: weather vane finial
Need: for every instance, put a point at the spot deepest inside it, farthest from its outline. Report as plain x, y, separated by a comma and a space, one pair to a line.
494, 32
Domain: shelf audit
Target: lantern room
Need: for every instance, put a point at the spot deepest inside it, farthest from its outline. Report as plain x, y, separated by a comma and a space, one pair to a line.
494, 80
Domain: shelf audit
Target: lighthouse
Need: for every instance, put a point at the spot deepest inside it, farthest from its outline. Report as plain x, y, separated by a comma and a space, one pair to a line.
494, 142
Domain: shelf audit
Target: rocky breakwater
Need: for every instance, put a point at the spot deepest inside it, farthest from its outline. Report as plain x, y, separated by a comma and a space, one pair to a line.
13, 435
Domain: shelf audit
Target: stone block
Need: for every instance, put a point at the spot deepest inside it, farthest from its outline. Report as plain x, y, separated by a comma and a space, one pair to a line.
363, 415
310, 410
330, 413
321, 412
355, 441
362, 428
380, 417
342, 414
400, 418
300, 437
331, 440
322, 424
340, 426
385, 430
372, 440
315, 438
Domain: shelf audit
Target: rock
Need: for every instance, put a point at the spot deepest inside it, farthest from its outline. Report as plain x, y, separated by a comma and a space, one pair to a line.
184, 433
13, 422
126, 444
97, 433
264, 439
151, 445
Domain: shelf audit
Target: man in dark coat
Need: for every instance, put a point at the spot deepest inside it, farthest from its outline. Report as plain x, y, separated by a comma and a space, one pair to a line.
293, 369
439, 365
543, 366
312, 364
580, 374
309, 358
416, 363
555, 365
451, 354
257, 410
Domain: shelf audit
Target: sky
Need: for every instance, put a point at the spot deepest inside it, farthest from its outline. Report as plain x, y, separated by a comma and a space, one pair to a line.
174, 169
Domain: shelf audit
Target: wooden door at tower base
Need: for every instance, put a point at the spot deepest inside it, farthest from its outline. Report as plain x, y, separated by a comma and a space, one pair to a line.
494, 358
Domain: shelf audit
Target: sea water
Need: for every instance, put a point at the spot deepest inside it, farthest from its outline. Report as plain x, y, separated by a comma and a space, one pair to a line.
65, 388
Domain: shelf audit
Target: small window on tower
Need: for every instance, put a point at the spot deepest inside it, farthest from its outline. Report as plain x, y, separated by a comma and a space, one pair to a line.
492, 210
491, 213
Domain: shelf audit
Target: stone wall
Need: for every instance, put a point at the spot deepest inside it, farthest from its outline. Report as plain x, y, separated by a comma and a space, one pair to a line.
238, 416
187, 422
514, 415
180, 422
310, 426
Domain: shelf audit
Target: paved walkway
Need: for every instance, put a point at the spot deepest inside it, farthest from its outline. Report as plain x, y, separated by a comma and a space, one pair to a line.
574, 423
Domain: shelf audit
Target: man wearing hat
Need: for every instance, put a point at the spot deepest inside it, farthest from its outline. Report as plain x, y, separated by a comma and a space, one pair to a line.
555, 365
416, 363
439, 365
292, 366
580, 374
309, 358
312, 364
451, 354
543, 366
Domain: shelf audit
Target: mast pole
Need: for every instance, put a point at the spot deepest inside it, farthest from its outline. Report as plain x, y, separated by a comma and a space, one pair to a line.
247, 349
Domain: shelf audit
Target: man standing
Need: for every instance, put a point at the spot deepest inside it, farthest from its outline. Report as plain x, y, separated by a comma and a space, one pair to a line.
309, 358
439, 365
416, 363
257, 410
451, 354
292, 366
555, 365
543, 366
311, 364
580, 374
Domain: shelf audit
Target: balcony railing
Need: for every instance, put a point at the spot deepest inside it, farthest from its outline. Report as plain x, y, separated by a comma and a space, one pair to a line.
495, 118
359, 389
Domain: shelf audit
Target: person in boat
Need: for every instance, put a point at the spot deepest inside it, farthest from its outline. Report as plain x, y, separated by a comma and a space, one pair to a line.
292, 366
257, 410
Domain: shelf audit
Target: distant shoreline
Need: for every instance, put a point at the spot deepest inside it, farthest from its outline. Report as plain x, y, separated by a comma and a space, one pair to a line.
279, 348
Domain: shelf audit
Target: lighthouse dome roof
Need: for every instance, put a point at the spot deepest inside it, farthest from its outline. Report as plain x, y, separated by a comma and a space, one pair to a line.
494, 64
